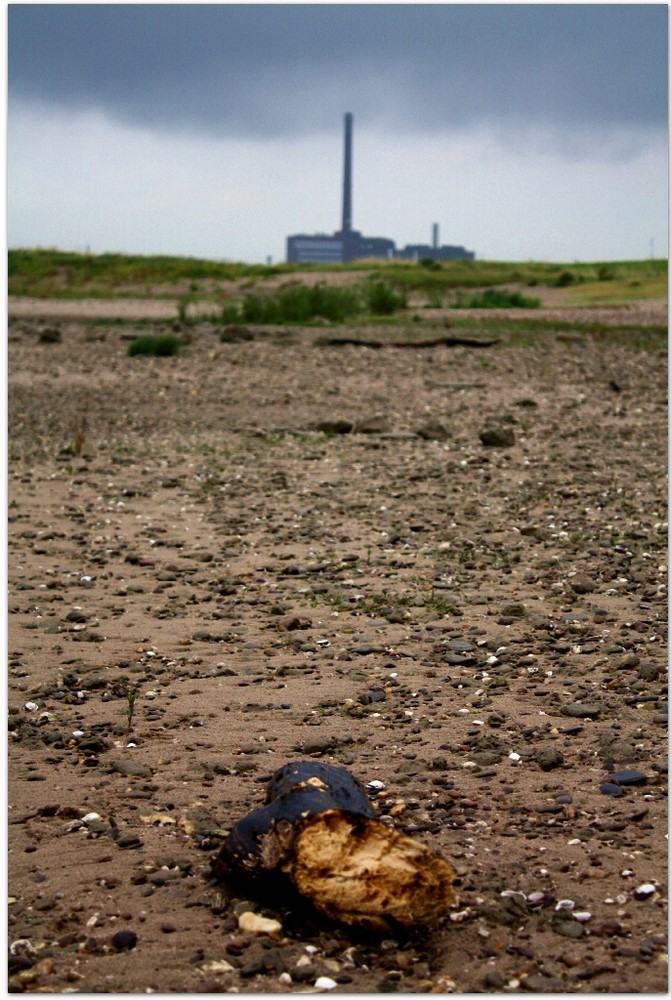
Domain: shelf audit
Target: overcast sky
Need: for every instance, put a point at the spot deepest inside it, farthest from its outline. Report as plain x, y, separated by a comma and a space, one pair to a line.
525, 131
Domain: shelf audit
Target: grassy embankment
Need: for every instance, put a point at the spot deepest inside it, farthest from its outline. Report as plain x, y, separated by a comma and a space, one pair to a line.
397, 291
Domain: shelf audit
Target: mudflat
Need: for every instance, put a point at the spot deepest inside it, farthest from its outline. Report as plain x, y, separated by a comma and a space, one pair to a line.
441, 568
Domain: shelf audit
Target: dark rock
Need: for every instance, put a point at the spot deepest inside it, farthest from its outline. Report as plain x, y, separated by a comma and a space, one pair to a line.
568, 927
334, 426
548, 758
514, 610
649, 671
318, 745
582, 710
497, 437
609, 788
583, 585
128, 841
629, 778
627, 662
50, 335
303, 973
433, 430
124, 940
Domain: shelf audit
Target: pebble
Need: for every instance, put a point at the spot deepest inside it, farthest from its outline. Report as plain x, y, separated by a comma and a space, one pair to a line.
629, 778
124, 940
644, 891
254, 923
325, 983
548, 758
609, 788
582, 710
497, 437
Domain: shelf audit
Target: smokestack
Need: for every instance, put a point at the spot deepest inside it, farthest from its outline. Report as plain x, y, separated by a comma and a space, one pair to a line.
347, 177
435, 236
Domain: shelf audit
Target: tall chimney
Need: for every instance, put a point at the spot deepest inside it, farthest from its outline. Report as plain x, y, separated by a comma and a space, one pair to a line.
347, 177
435, 236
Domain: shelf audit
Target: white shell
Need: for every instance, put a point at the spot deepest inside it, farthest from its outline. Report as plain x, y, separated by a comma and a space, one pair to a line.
325, 983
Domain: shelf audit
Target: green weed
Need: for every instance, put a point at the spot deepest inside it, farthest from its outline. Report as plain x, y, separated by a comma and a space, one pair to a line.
155, 345
497, 298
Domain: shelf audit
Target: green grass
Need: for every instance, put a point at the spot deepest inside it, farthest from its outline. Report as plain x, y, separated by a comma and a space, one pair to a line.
296, 302
49, 272
155, 345
63, 273
497, 298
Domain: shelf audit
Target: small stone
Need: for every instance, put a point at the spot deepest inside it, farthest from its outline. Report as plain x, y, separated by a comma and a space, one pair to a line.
127, 841
568, 928
254, 923
610, 788
325, 983
582, 710
335, 426
645, 891
548, 758
497, 437
583, 585
433, 430
303, 973
124, 940
628, 777
627, 662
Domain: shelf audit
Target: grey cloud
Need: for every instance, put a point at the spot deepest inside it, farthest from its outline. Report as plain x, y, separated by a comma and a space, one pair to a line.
263, 70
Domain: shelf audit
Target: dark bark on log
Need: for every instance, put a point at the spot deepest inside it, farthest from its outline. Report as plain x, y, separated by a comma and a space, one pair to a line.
434, 342
318, 827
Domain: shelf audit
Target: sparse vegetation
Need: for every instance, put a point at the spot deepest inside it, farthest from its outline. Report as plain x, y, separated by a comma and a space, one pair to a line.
156, 345
297, 302
63, 274
131, 695
497, 298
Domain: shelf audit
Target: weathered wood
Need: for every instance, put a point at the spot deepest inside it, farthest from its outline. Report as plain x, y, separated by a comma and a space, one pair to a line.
417, 344
319, 829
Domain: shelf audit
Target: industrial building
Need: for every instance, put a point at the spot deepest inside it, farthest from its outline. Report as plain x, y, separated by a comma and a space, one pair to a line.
348, 244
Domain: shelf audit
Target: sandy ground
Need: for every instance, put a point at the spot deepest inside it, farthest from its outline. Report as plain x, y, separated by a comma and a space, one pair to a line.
479, 629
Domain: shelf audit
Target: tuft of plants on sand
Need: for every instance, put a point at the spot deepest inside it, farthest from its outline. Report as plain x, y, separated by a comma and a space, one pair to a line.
159, 345
497, 298
296, 302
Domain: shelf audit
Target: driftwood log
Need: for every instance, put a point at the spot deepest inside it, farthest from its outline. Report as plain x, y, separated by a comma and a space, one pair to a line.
318, 828
433, 342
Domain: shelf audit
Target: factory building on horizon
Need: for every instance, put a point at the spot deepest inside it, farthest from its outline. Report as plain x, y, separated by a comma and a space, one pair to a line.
349, 244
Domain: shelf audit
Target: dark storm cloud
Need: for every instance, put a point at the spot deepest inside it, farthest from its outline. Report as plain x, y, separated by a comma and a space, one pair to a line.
264, 70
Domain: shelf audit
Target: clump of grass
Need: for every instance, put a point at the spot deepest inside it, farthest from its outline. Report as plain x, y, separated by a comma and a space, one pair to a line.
296, 302
497, 298
382, 299
161, 345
